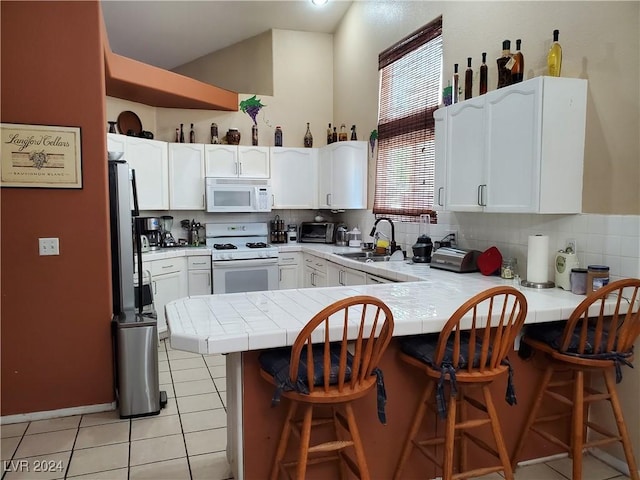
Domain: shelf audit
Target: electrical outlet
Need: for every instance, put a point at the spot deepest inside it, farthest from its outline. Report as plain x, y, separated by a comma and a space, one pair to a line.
49, 246
453, 237
570, 243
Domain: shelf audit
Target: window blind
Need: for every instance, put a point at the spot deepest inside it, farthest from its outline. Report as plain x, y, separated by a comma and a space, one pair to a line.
410, 86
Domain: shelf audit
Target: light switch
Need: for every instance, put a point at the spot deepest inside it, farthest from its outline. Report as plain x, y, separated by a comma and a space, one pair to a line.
49, 246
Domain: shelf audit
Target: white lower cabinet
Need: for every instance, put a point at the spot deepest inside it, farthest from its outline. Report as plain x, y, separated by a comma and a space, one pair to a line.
338, 275
289, 268
375, 280
168, 283
199, 268
314, 271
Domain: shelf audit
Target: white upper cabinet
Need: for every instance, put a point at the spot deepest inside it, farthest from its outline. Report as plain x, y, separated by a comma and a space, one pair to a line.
221, 161
186, 176
253, 162
149, 160
232, 161
342, 172
464, 150
439, 190
293, 177
516, 149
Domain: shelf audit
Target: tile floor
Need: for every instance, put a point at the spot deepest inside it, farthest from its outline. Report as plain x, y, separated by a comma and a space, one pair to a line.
186, 441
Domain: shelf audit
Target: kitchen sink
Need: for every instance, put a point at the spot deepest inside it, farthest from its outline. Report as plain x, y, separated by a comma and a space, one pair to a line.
365, 256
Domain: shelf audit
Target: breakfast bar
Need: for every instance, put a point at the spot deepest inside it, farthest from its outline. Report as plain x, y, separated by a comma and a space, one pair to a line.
241, 325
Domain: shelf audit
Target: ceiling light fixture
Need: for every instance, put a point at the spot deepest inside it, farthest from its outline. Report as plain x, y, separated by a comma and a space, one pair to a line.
319, 3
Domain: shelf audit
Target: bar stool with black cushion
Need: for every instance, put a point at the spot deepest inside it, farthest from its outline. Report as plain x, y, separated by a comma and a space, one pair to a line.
597, 339
470, 352
341, 371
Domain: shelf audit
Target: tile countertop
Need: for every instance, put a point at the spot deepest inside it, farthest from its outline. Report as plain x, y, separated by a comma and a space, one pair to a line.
239, 322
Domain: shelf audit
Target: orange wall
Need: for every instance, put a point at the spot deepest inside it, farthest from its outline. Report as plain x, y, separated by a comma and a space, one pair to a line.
56, 345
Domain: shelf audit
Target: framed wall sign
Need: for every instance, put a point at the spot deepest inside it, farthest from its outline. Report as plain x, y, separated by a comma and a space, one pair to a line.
40, 156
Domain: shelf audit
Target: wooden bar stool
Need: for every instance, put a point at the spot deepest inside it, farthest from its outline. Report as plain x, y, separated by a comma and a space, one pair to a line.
596, 339
470, 352
333, 372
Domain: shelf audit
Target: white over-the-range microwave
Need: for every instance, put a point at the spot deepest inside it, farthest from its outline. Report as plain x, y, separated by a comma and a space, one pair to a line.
234, 195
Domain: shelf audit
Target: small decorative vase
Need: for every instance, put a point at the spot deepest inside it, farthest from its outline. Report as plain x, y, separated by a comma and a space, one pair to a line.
233, 136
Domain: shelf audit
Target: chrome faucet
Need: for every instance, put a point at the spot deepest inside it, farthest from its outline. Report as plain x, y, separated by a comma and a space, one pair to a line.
392, 245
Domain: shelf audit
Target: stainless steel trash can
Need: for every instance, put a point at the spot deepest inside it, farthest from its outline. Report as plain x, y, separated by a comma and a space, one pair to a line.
136, 352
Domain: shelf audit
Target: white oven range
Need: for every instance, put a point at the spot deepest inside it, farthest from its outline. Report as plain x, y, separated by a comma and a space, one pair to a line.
242, 260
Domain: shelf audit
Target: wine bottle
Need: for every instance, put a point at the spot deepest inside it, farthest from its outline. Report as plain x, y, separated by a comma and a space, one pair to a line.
354, 136
517, 70
177, 135
192, 135
308, 138
278, 137
455, 83
483, 74
254, 135
329, 135
214, 133
468, 80
504, 74
334, 135
554, 58
181, 133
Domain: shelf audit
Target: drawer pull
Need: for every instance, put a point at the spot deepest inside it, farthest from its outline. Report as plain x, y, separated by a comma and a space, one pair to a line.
168, 266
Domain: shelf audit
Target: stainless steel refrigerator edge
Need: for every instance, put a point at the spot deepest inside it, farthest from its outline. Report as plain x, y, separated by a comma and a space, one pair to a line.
135, 333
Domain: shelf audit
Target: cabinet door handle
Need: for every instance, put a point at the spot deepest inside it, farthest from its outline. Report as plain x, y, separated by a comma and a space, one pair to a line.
167, 266
203, 205
155, 288
208, 279
340, 279
240, 168
328, 199
273, 199
440, 196
481, 194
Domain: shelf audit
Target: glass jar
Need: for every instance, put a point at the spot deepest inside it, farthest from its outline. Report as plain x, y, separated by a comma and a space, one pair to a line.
578, 281
597, 277
233, 136
509, 268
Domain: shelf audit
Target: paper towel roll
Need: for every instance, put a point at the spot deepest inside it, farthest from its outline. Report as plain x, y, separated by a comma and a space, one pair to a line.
538, 259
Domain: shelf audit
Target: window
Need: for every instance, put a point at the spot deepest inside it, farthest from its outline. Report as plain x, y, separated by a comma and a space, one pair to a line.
410, 86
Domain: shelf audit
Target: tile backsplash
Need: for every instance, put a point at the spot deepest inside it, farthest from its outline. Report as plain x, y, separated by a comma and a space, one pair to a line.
612, 240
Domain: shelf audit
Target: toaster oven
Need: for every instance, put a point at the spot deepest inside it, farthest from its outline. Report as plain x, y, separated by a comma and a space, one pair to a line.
317, 232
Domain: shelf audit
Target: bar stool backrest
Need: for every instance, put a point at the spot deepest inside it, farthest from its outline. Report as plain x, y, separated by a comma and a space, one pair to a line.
491, 319
332, 326
600, 329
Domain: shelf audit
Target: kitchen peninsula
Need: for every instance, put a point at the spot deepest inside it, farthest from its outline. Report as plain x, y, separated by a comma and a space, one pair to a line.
242, 324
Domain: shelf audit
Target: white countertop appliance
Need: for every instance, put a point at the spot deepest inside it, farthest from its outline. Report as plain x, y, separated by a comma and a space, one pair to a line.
242, 259
564, 262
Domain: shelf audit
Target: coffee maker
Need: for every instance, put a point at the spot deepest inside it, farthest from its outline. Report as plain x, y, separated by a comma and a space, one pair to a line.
167, 237
152, 229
